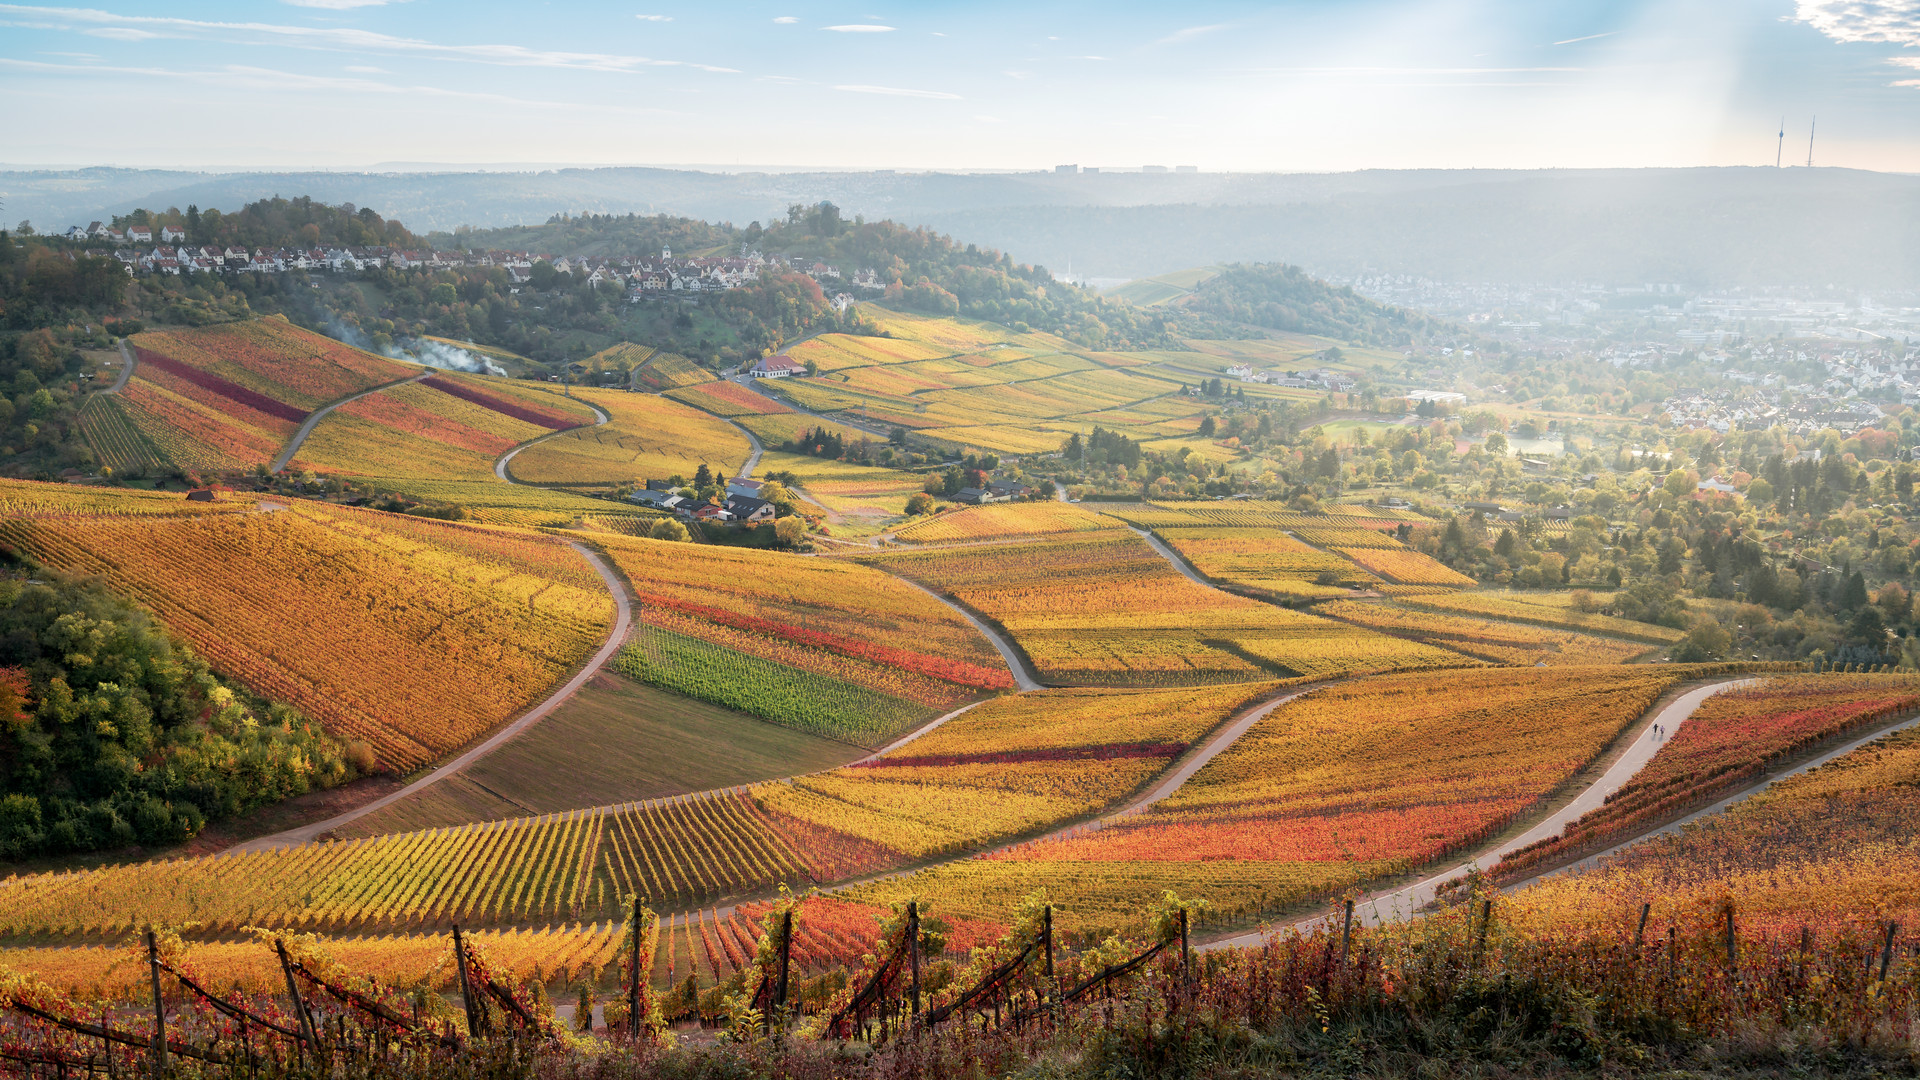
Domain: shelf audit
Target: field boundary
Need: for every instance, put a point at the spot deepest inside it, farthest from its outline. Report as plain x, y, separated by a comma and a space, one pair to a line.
616, 638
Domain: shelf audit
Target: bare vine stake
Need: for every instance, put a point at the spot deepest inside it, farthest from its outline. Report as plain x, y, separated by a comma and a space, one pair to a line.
1346, 934
786, 960
1733, 955
466, 991
159, 1010
1186, 957
1640, 935
1046, 930
1480, 942
299, 1007
1886, 951
633, 982
913, 951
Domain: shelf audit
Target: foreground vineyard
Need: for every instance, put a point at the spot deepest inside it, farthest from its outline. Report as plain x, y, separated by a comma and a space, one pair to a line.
1836, 849
413, 635
1727, 743
1351, 784
649, 438
1062, 755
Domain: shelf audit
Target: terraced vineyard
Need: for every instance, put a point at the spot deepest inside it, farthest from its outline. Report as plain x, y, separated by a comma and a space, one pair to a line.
329, 609
1106, 610
650, 438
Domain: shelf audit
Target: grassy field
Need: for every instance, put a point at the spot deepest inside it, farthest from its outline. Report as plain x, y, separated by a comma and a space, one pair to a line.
604, 746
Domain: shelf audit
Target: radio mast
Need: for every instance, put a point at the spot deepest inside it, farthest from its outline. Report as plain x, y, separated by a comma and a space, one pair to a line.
1780, 147
1810, 129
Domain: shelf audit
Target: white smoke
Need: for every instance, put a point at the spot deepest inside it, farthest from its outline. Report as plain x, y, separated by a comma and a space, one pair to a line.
419, 350
435, 354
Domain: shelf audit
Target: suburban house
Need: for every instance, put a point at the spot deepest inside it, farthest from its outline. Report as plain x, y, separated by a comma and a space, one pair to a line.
172, 235
659, 500
749, 509
749, 488
140, 234
777, 367
710, 512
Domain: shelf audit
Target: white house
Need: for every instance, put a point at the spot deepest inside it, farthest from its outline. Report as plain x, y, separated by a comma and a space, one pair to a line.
777, 367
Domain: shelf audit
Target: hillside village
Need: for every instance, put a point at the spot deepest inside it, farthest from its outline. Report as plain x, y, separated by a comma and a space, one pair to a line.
140, 250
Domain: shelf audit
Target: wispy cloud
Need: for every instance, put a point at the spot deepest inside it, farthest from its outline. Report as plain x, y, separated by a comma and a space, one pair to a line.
1190, 33
1589, 37
367, 69
895, 91
335, 39
859, 28
787, 19
1086, 58
337, 5
246, 77
654, 18
1893, 22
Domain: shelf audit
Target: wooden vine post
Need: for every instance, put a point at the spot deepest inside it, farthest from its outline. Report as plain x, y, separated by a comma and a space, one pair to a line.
299, 1007
467, 1000
633, 979
1886, 951
1186, 955
1046, 933
1346, 934
1640, 935
913, 955
159, 1010
786, 957
1733, 948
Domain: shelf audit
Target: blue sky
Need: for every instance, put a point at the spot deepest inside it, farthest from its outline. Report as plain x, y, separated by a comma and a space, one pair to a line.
1226, 86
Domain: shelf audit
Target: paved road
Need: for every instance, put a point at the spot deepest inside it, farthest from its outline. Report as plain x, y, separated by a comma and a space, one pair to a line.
314, 417
500, 467
1404, 903
618, 636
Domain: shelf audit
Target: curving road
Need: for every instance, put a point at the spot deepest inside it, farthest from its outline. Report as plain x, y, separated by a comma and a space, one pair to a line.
617, 637
1167, 553
500, 467
126, 370
1405, 902
314, 417
1024, 677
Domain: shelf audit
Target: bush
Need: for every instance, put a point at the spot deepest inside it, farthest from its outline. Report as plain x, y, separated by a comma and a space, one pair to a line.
668, 529
920, 503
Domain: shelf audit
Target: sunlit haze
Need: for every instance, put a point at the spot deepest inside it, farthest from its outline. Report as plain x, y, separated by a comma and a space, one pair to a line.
1221, 86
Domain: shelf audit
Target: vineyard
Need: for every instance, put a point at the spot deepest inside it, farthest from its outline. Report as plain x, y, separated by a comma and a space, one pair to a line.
1106, 610
266, 363
412, 635
1832, 850
1001, 521
1726, 744
1494, 606
1349, 784
723, 398
1406, 567
675, 853
830, 647
649, 438
114, 438
1264, 561
1497, 642
413, 431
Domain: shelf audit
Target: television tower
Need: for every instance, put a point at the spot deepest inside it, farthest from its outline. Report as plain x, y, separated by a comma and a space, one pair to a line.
1810, 128
1780, 147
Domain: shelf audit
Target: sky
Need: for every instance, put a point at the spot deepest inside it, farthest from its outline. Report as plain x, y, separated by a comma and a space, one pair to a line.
1301, 86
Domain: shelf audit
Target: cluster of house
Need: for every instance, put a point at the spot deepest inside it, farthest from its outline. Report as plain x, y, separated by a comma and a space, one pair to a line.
743, 504
142, 249
1321, 378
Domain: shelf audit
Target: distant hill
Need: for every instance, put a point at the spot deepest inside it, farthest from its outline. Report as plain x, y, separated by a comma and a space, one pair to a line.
1701, 227
1274, 296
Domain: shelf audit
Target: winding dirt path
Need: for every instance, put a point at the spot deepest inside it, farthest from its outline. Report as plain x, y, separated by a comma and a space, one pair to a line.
623, 619
319, 414
1406, 901
1024, 677
126, 370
